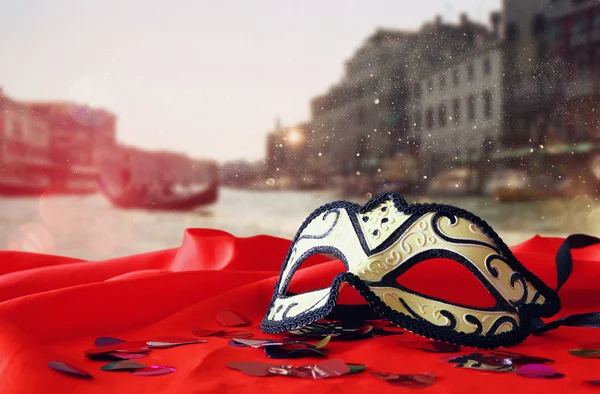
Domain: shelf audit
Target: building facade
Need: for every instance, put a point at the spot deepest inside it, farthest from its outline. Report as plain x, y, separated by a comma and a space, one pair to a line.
460, 114
79, 134
24, 137
574, 32
532, 83
358, 121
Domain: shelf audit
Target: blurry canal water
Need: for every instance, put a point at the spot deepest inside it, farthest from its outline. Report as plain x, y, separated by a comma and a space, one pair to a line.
89, 227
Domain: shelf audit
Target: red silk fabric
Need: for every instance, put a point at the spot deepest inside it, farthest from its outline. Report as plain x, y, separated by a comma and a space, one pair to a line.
52, 308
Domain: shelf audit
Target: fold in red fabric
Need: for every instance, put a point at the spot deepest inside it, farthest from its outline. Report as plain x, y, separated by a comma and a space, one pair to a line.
52, 308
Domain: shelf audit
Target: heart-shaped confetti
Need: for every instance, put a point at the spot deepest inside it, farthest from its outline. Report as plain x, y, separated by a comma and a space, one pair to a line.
325, 369
107, 341
521, 359
595, 382
122, 347
355, 368
251, 368
323, 342
234, 334
585, 353
478, 365
154, 370
116, 356
129, 356
203, 332
322, 370
124, 365
232, 319
538, 371
413, 381
63, 367
169, 342
259, 343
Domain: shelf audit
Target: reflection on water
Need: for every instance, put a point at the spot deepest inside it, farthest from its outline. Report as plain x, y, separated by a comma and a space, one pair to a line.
90, 228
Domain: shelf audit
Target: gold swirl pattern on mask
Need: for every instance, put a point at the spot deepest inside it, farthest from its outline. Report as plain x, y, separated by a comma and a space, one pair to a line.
421, 237
421, 307
462, 229
378, 265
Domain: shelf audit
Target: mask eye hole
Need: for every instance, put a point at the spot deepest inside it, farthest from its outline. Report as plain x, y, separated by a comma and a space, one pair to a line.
316, 272
447, 280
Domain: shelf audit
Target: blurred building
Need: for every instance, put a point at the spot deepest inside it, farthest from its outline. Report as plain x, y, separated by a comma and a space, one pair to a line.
78, 134
575, 39
456, 95
533, 78
24, 137
358, 121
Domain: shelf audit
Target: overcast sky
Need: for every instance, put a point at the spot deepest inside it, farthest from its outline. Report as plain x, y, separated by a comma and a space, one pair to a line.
203, 77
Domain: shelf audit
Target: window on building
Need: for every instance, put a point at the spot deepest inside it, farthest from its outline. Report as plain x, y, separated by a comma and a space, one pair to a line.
470, 72
417, 90
487, 65
456, 111
442, 115
455, 77
442, 82
581, 64
555, 33
430, 118
487, 104
361, 117
471, 107
579, 27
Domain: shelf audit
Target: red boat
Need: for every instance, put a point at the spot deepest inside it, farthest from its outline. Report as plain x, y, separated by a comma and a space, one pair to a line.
123, 192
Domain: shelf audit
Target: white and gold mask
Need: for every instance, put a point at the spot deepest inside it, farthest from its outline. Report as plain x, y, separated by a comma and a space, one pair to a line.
382, 240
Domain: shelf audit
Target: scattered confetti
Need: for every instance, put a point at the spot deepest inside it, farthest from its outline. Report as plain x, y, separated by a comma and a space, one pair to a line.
63, 367
107, 341
200, 332
475, 364
260, 343
121, 347
232, 319
251, 368
325, 369
520, 359
586, 353
154, 370
125, 365
413, 381
169, 342
538, 371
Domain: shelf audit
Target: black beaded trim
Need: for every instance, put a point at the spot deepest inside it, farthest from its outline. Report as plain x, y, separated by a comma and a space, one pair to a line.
419, 326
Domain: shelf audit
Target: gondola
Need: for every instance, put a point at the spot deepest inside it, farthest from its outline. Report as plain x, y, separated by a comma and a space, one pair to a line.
131, 196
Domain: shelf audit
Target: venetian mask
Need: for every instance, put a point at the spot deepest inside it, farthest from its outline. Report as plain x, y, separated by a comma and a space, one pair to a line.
381, 241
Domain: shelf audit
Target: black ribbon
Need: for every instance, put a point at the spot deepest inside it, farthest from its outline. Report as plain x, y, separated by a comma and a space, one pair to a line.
564, 267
